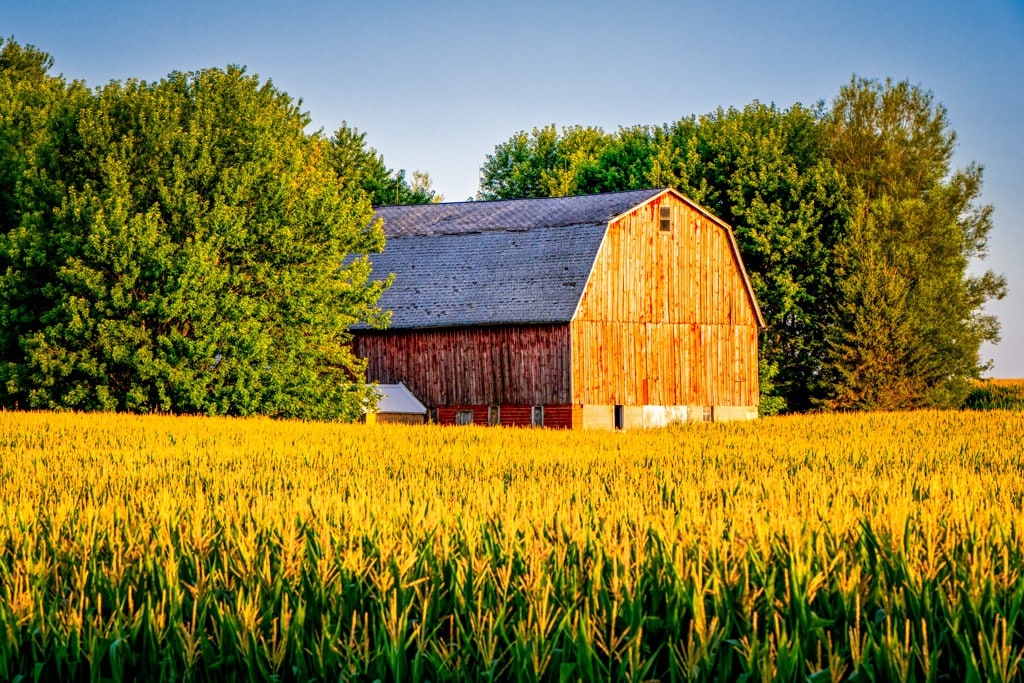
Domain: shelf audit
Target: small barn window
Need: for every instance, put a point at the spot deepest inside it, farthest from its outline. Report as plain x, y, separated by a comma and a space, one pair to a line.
463, 417
620, 422
709, 414
494, 415
665, 218
537, 420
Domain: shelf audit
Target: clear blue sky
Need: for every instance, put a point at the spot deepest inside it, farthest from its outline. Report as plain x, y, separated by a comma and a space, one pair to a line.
436, 85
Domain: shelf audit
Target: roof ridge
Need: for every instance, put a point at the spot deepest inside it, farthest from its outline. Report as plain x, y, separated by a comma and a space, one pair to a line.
525, 199
509, 214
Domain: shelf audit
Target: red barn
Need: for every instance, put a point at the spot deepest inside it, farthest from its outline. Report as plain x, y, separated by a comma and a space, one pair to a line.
623, 310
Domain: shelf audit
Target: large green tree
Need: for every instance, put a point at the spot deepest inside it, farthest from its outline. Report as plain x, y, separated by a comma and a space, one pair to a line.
910, 317
178, 246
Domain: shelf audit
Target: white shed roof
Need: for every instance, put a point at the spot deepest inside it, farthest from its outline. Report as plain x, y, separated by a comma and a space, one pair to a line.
396, 398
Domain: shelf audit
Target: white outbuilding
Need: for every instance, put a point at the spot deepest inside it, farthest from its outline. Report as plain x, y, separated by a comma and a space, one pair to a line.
397, 405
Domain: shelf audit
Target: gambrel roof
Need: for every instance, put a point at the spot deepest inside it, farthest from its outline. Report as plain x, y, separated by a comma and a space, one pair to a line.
519, 261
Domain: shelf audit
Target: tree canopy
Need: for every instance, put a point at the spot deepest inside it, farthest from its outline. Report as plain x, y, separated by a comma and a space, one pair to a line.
855, 229
181, 245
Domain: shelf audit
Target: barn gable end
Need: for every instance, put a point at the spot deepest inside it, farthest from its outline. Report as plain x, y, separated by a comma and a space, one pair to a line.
668, 317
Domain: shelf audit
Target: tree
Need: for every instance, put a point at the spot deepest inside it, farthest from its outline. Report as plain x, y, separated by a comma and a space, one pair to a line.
27, 95
361, 169
24, 63
626, 161
910, 321
182, 246
542, 163
422, 189
31, 99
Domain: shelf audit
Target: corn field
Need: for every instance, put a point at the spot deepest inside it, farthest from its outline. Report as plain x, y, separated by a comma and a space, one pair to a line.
845, 547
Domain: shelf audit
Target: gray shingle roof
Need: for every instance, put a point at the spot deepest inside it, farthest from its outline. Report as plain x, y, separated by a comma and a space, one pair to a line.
486, 263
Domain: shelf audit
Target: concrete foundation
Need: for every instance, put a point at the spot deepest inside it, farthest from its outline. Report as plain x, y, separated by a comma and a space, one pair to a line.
598, 417
734, 413
653, 417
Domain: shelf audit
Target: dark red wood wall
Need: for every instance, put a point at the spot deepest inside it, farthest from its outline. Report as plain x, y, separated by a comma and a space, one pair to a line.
555, 416
514, 365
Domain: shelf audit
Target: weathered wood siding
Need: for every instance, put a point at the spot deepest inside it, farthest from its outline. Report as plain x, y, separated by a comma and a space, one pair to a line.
501, 365
666, 318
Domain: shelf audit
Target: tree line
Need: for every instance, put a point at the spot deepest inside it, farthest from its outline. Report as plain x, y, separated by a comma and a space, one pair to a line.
856, 230
185, 245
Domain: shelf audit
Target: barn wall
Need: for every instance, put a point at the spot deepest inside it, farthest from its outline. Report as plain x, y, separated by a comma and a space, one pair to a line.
555, 416
666, 318
507, 365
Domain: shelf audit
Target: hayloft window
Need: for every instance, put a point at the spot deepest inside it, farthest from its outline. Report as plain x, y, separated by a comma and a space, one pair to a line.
665, 218
537, 420
494, 415
463, 417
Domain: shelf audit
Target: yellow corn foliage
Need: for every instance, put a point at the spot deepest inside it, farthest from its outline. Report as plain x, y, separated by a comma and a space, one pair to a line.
875, 546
